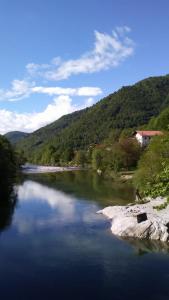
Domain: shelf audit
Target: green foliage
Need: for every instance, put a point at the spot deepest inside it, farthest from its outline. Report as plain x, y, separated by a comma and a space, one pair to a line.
132, 152
130, 107
114, 158
8, 160
162, 206
49, 156
152, 176
127, 133
80, 158
160, 122
97, 158
20, 158
122, 155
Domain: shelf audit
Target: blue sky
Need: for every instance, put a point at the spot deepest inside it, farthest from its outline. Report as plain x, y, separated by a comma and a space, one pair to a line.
58, 56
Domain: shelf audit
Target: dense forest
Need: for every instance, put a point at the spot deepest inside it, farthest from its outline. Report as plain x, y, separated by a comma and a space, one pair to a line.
69, 137
152, 174
10, 161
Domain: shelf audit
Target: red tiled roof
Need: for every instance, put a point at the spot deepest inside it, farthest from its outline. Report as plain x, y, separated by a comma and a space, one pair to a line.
149, 132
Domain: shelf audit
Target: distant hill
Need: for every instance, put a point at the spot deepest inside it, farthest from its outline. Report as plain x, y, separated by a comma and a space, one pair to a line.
130, 107
15, 136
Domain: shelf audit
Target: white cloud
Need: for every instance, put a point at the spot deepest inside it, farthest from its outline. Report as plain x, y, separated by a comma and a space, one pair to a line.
22, 88
19, 90
38, 69
108, 52
82, 91
29, 122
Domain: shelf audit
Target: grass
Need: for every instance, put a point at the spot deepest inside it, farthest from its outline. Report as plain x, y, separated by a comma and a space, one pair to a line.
162, 206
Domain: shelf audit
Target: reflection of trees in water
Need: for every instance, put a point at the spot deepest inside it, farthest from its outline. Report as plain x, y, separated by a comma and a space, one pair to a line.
88, 185
147, 246
8, 200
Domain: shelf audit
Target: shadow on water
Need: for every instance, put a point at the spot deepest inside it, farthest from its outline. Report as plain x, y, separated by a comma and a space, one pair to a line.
8, 201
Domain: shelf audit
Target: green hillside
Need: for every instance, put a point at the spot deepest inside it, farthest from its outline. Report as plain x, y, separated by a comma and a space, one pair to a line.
130, 107
15, 136
161, 122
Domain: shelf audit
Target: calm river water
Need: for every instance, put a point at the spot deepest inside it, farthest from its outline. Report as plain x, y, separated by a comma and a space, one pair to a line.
53, 245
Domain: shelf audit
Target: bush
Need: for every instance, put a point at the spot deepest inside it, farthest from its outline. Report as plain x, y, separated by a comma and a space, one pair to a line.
8, 160
152, 176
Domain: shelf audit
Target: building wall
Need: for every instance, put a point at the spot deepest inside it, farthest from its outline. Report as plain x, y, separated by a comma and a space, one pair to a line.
143, 140
139, 138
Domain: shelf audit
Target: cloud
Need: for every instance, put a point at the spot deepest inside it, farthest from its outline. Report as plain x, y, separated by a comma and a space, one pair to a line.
82, 91
19, 89
29, 122
108, 52
22, 88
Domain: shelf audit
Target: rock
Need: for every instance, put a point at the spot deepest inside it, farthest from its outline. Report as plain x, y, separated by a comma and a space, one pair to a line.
153, 225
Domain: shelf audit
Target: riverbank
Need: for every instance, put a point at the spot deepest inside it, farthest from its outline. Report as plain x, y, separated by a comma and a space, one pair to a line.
35, 169
140, 220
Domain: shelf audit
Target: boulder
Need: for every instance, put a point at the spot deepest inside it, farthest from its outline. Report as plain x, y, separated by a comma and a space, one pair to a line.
140, 220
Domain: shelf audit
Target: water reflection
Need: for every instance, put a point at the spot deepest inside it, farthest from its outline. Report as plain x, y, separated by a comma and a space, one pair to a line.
8, 201
33, 191
146, 246
90, 186
43, 206
57, 247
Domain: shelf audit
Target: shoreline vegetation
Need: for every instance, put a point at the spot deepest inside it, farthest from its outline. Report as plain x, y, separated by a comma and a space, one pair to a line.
149, 218
101, 139
9, 161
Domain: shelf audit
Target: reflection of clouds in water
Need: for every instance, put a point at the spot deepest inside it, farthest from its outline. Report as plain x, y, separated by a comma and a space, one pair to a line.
62, 205
65, 209
33, 191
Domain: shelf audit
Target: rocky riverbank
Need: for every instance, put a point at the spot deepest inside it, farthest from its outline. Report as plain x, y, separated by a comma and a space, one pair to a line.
144, 221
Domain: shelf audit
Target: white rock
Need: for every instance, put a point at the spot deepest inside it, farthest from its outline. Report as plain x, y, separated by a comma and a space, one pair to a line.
124, 220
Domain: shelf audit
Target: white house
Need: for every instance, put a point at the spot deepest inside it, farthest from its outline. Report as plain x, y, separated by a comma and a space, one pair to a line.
144, 136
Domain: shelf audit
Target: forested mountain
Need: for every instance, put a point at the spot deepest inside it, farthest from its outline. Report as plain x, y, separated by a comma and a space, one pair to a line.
15, 136
130, 107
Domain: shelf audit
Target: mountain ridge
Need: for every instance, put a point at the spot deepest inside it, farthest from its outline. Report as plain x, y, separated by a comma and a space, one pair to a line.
15, 136
129, 107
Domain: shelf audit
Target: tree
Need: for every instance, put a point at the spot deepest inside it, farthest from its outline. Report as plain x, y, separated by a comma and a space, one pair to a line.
152, 176
130, 107
67, 155
115, 158
80, 158
131, 152
8, 161
97, 159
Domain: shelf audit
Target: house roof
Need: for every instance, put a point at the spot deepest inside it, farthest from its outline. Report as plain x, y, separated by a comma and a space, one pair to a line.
149, 132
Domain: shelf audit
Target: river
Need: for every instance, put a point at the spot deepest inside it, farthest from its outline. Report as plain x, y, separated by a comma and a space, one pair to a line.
53, 245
